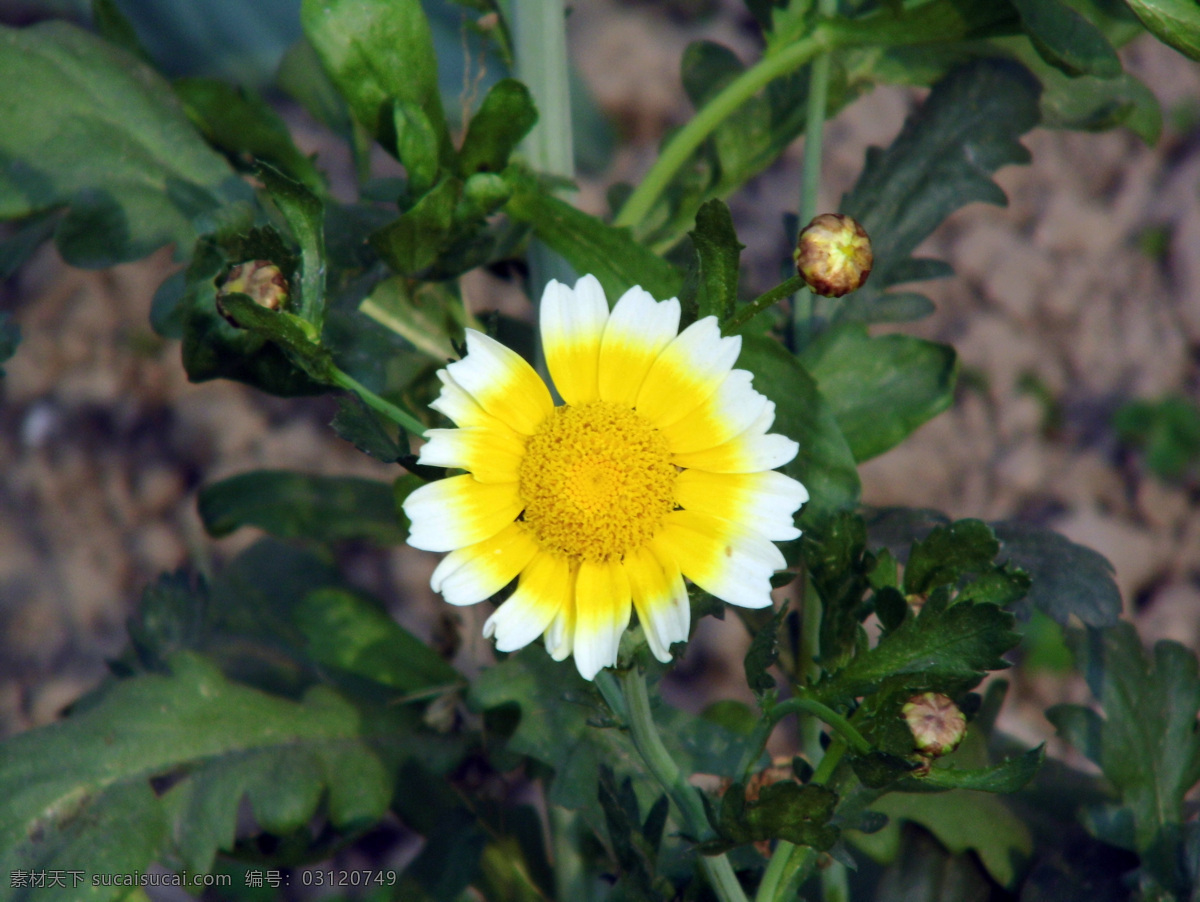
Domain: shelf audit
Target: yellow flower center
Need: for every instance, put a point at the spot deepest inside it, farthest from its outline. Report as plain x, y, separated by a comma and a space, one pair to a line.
597, 480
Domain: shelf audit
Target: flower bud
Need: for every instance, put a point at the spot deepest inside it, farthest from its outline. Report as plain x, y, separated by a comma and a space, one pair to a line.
937, 725
833, 254
261, 280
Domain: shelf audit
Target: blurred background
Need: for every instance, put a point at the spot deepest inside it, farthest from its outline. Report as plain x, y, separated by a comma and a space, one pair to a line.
1075, 310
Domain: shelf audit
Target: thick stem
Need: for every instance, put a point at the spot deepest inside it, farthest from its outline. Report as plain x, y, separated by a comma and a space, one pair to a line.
681, 146
663, 768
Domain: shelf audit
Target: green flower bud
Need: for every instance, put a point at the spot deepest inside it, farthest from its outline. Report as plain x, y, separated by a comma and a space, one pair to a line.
937, 725
833, 254
261, 280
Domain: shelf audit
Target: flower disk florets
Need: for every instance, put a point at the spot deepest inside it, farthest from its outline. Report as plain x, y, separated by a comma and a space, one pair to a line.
596, 480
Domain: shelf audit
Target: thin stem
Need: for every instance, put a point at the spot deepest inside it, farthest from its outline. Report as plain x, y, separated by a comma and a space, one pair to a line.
810, 178
680, 147
397, 415
761, 303
663, 768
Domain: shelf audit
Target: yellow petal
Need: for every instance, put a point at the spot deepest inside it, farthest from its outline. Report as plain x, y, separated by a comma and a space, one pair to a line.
601, 615
572, 324
459, 511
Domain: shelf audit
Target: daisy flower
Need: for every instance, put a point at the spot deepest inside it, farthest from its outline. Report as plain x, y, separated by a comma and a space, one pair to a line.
657, 467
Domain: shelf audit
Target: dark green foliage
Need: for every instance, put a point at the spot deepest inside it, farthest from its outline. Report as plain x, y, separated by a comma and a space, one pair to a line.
763, 653
784, 810
297, 506
943, 159
1168, 430
717, 252
881, 389
10, 338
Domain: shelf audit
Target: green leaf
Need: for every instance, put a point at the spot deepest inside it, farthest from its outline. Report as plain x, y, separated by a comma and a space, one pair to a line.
98, 132
304, 213
635, 845
611, 254
10, 337
1068, 579
377, 52
359, 425
1067, 40
503, 119
1147, 743
300, 506
426, 314
956, 643
113, 25
302, 76
240, 123
962, 821
834, 552
1008, 776
943, 159
763, 653
948, 553
292, 334
881, 389
74, 789
824, 462
1174, 22
350, 632
717, 253
412, 243
416, 147
784, 810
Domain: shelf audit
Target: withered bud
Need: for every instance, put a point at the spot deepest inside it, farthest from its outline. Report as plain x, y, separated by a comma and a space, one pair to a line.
937, 725
833, 254
261, 280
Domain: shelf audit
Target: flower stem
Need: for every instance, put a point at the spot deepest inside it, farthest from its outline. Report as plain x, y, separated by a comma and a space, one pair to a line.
679, 148
810, 178
790, 864
396, 414
663, 768
762, 732
761, 303
540, 42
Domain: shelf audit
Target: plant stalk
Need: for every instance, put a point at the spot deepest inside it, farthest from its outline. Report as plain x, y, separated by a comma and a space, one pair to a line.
397, 415
664, 769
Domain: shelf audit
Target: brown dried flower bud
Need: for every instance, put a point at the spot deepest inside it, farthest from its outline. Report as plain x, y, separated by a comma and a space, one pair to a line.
261, 280
833, 254
937, 725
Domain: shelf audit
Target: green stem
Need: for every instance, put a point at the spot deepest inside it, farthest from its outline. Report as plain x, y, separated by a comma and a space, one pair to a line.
405, 419
790, 864
810, 178
540, 42
681, 146
663, 768
761, 303
762, 732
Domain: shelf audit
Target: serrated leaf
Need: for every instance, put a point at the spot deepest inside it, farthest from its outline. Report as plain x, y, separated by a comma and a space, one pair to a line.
763, 653
292, 334
611, 254
302, 506
824, 462
1008, 776
956, 643
943, 159
503, 119
717, 253
239, 122
1147, 743
64, 784
784, 810
1174, 22
1068, 579
949, 552
881, 389
377, 52
304, 213
146, 173
1067, 40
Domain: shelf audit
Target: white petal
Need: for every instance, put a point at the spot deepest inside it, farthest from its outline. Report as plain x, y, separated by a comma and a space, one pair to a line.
687, 372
